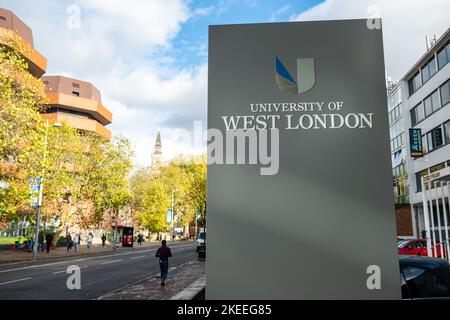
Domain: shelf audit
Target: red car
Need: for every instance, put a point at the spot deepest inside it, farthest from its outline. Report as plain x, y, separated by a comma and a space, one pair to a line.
418, 247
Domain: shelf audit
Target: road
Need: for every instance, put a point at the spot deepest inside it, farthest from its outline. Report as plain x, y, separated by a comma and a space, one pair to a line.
100, 273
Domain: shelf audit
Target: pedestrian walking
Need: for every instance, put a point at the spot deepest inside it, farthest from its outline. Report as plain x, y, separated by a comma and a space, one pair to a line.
49, 239
41, 241
139, 239
103, 240
89, 240
163, 253
68, 242
76, 242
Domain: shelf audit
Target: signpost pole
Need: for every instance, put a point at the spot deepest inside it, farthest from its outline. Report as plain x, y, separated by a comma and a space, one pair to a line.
425, 216
41, 189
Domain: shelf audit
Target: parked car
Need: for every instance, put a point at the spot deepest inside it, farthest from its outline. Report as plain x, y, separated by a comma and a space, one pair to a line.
424, 278
417, 247
201, 239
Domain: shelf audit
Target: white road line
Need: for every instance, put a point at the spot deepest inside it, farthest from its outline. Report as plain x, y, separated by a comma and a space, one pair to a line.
23, 279
108, 262
84, 259
132, 258
66, 270
59, 272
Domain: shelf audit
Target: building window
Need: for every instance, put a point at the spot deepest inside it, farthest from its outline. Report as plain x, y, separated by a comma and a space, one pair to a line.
3, 18
419, 176
431, 103
417, 114
429, 70
394, 114
437, 167
75, 93
445, 93
414, 83
443, 55
435, 138
75, 85
424, 144
447, 131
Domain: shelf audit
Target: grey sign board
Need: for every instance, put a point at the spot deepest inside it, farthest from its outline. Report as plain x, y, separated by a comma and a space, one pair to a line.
317, 221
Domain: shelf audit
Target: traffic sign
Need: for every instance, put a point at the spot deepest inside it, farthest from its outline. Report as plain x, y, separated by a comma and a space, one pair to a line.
169, 216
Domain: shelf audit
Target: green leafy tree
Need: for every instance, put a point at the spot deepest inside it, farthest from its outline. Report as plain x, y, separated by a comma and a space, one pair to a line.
21, 99
155, 204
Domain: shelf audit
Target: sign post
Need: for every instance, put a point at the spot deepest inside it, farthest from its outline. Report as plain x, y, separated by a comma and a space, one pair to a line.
415, 141
300, 199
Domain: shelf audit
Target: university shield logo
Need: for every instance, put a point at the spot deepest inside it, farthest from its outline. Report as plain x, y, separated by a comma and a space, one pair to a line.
306, 76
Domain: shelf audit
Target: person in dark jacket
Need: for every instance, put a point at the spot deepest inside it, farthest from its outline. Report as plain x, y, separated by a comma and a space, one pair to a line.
103, 240
49, 239
68, 242
41, 241
163, 253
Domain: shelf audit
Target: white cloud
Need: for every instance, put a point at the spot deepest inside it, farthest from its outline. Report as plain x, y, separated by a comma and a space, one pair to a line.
124, 48
405, 25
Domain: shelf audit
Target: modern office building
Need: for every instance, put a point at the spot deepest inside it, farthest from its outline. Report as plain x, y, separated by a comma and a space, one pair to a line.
11, 25
78, 103
400, 163
421, 100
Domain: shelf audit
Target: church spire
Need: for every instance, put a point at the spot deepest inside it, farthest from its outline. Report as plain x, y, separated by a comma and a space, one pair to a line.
158, 144
156, 156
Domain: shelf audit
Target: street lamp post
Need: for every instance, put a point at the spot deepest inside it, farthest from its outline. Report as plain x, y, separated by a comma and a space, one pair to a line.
172, 217
41, 188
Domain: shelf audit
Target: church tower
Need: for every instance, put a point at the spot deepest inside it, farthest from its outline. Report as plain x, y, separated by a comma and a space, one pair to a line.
156, 157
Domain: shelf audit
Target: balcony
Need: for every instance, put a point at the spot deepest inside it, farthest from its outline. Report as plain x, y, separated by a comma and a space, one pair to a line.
37, 63
92, 107
80, 123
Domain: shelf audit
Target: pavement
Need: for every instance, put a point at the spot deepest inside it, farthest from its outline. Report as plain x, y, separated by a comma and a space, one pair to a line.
179, 280
10, 256
102, 273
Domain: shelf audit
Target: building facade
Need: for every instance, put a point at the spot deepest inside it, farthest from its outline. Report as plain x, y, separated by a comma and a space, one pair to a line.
421, 100
10, 24
400, 163
78, 103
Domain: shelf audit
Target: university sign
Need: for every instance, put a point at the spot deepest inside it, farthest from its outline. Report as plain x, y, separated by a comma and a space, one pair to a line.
300, 203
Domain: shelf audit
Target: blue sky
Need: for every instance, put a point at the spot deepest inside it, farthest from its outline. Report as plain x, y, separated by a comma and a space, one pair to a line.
149, 57
194, 33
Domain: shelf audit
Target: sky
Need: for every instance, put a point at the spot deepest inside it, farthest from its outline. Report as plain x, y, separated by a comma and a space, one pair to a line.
149, 57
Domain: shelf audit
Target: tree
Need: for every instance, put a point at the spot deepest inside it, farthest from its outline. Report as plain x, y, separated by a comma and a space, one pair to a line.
21, 99
196, 169
114, 192
155, 204
152, 195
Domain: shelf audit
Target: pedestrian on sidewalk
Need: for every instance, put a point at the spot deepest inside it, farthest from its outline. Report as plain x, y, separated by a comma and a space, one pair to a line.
103, 240
89, 240
41, 241
49, 239
76, 242
163, 253
68, 242
139, 239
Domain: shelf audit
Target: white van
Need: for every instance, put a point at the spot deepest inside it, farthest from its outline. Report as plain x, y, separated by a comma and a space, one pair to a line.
201, 239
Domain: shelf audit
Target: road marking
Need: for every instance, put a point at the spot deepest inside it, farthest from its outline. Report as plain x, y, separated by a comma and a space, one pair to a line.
66, 270
132, 258
84, 259
59, 272
108, 262
23, 279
